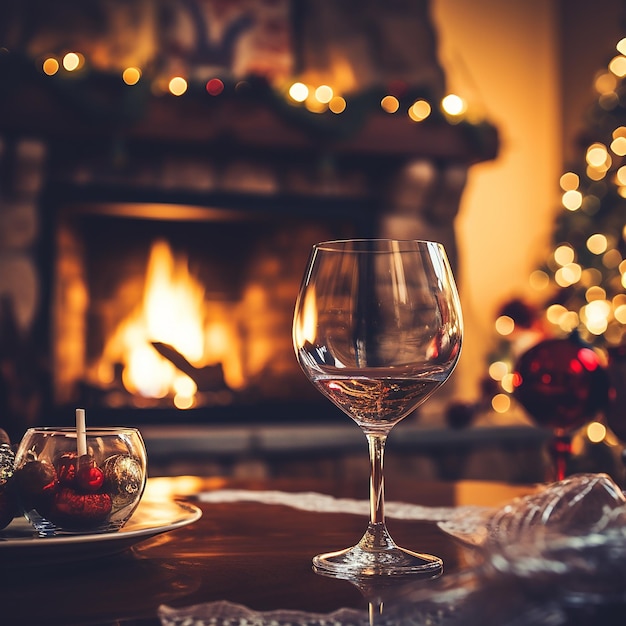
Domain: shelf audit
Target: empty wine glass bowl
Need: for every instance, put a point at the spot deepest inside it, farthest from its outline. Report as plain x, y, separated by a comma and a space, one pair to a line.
62, 491
377, 329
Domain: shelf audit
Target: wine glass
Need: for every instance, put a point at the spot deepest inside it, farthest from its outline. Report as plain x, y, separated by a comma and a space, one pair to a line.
377, 329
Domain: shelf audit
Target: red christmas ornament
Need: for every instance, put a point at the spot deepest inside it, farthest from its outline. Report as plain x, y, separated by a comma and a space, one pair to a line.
89, 478
79, 511
562, 383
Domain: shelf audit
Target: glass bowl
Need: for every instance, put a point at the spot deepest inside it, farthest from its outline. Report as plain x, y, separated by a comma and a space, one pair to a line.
62, 492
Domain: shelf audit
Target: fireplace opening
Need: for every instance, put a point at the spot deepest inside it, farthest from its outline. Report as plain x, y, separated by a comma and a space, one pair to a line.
178, 314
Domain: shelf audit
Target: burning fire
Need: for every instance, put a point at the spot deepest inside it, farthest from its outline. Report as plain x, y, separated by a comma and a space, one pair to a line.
173, 311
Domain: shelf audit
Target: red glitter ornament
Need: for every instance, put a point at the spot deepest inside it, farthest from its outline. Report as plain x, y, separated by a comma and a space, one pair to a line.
89, 478
78, 511
562, 383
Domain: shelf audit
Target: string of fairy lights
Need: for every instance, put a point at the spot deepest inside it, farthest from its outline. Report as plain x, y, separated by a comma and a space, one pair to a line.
320, 98
583, 280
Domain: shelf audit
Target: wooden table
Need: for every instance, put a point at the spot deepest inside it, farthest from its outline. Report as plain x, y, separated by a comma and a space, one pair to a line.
254, 554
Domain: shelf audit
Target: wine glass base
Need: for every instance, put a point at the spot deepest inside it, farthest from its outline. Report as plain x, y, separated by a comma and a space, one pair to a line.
394, 561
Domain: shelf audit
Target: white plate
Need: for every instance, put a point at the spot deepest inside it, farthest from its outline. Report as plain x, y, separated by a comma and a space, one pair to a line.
20, 544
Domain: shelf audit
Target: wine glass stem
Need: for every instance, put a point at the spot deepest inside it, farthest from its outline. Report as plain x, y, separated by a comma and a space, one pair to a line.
376, 444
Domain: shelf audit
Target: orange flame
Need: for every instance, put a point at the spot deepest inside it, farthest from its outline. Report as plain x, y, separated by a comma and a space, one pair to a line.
173, 311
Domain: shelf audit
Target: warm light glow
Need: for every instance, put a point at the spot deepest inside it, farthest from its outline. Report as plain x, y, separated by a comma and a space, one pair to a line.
505, 325
298, 92
177, 86
324, 94
569, 181
555, 312
337, 105
617, 65
621, 46
501, 403
598, 156
539, 280
595, 293
595, 316
597, 244
605, 83
173, 311
618, 146
620, 313
419, 110
568, 275
306, 328
131, 75
73, 61
596, 432
498, 370
612, 258
453, 105
572, 200
50, 66
507, 382
390, 104
564, 255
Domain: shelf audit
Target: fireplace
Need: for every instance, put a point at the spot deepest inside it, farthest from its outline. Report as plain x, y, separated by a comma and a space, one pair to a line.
180, 313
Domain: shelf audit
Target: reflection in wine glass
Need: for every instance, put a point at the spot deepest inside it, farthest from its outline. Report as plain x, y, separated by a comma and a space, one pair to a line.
377, 329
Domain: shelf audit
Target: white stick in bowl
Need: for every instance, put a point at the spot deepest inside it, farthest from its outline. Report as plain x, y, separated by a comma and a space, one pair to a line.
81, 433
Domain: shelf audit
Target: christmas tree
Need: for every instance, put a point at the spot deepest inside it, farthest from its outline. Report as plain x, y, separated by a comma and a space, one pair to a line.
581, 285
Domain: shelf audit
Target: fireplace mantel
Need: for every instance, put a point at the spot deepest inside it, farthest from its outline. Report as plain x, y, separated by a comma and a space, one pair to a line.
100, 107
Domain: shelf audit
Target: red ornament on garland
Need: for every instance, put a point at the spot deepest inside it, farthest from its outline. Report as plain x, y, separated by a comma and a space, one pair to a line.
562, 383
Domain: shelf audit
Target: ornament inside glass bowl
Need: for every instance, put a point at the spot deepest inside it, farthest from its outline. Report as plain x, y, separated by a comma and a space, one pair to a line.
68, 481
562, 383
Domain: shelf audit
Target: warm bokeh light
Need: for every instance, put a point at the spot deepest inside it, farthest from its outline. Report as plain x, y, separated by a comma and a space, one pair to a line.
555, 312
596, 432
618, 146
605, 83
568, 274
324, 94
298, 92
389, 104
177, 86
498, 370
50, 66
598, 156
612, 258
505, 325
564, 254
569, 181
337, 105
572, 200
131, 75
419, 110
597, 243
501, 403
595, 293
539, 280
453, 105
73, 61
617, 65
214, 87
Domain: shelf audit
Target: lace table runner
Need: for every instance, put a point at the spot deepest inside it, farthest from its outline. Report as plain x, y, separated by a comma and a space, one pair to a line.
552, 558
